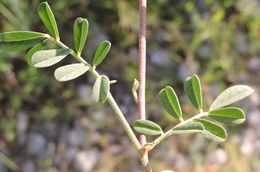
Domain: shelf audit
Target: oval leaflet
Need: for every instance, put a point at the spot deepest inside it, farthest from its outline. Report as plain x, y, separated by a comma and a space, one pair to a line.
147, 127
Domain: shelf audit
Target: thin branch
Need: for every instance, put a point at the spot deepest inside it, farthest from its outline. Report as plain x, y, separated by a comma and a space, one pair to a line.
142, 74
142, 64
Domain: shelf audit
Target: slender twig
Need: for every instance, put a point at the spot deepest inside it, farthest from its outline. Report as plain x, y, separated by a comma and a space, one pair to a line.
142, 64
142, 74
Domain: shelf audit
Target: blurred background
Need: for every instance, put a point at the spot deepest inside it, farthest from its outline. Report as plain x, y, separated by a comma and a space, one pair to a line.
47, 126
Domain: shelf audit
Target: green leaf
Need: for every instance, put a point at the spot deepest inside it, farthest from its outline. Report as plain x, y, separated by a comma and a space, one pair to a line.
231, 95
212, 130
147, 127
101, 89
69, 72
37, 47
46, 58
101, 52
48, 19
135, 87
191, 127
112, 82
80, 33
170, 102
228, 115
192, 89
20, 40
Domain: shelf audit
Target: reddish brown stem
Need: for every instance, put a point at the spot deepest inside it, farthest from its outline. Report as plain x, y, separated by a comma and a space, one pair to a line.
142, 64
142, 74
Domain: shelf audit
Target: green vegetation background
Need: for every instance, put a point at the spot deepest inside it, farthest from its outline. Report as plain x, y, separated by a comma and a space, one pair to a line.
218, 39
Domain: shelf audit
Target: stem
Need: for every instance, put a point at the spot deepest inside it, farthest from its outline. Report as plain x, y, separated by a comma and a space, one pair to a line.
171, 131
142, 150
142, 65
142, 74
110, 99
123, 121
119, 115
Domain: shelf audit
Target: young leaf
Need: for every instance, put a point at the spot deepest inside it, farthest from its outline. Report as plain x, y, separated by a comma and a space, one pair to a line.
192, 89
37, 47
101, 52
80, 33
19, 40
170, 102
135, 87
46, 58
191, 127
112, 82
48, 19
147, 127
231, 95
212, 130
69, 72
228, 115
101, 89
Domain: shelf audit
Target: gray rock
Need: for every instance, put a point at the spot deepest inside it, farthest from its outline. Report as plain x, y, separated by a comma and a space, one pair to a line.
205, 51
219, 156
255, 98
2, 168
254, 64
21, 122
248, 144
63, 134
187, 69
160, 57
96, 35
28, 166
76, 137
36, 144
133, 53
50, 130
85, 161
71, 153
22, 125
85, 94
254, 118
181, 161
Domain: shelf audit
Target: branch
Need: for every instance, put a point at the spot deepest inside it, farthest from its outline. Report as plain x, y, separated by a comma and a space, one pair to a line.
142, 73
142, 65
110, 99
171, 131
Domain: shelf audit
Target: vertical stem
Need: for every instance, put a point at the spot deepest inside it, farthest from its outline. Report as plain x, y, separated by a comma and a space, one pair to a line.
142, 64
142, 74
